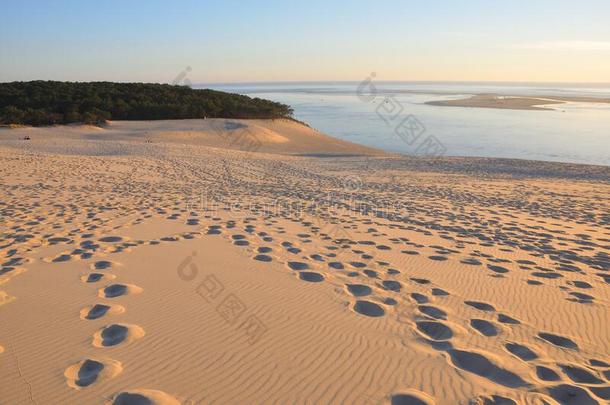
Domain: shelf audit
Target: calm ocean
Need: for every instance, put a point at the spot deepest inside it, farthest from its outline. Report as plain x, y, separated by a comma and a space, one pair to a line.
572, 132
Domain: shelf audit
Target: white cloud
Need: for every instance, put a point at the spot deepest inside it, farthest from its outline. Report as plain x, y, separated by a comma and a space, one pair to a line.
565, 46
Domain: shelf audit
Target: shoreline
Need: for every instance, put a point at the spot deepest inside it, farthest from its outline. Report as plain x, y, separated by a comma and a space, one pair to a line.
325, 147
533, 103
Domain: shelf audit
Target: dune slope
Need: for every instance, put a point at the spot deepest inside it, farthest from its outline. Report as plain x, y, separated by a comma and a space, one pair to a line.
181, 271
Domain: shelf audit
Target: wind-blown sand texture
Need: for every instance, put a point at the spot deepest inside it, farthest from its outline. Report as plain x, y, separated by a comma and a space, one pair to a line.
184, 270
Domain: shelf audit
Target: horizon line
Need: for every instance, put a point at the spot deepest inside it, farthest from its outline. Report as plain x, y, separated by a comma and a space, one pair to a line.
403, 81
509, 82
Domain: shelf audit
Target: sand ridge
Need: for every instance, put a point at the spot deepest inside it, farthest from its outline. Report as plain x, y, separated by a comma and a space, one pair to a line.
515, 102
272, 136
188, 273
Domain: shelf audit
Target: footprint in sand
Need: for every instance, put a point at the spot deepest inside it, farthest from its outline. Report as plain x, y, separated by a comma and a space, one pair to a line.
116, 334
438, 258
64, 257
411, 397
419, 298
581, 298
371, 273
56, 240
297, 266
434, 330
102, 265
316, 257
369, 308
99, 310
567, 394
10, 269
410, 252
311, 276
598, 363
580, 284
367, 242
580, 375
549, 275
485, 328
471, 261
432, 312
214, 230
240, 240
602, 392
480, 365
526, 262
117, 290
89, 371
143, 397
439, 292
359, 290
557, 340
481, 306
192, 221
111, 239
521, 351
95, 277
392, 285
502, 318
546, 374
497, 269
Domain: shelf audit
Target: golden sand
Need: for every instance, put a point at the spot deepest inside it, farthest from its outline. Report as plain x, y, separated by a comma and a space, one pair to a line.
175, 262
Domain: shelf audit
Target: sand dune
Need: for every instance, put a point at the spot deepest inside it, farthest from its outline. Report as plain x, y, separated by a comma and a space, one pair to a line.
274, 136
191, 270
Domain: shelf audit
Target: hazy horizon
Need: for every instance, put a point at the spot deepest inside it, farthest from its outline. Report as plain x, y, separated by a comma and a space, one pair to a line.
330, 81
270, 41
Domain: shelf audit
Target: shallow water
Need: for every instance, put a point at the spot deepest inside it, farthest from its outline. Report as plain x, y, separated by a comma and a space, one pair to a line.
571, 132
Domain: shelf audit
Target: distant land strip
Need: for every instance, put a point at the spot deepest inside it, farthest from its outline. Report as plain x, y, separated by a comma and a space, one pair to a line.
514, 102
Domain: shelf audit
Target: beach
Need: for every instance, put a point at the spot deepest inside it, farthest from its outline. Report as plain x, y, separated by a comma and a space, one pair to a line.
261, 261
515, 102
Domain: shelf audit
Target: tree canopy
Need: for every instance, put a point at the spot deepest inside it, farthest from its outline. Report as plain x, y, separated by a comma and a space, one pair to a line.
52, 102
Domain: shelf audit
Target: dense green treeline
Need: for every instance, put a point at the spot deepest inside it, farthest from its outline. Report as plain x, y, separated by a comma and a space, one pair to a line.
52, 102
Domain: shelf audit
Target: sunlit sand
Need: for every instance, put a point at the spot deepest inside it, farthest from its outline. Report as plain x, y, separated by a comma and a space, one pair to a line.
228, 261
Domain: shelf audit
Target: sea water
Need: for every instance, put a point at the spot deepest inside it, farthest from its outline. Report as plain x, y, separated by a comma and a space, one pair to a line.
570, 132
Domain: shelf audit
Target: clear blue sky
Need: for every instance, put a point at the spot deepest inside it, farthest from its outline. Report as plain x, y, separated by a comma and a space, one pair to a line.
225, 41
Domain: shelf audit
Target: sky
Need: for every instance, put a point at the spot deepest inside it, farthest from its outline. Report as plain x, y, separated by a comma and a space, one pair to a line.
267, 40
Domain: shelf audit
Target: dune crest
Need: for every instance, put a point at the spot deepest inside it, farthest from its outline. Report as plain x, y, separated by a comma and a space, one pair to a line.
125, 137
